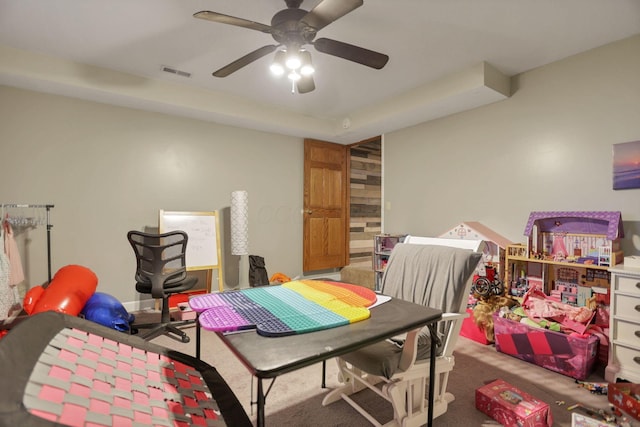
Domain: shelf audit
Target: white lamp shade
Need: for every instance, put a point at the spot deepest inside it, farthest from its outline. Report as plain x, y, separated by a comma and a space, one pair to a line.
239, 223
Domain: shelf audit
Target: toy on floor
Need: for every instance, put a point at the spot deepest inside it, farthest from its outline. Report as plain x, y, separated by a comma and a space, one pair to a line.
108, 311
68, 291
594, 387
600, 414
279, 278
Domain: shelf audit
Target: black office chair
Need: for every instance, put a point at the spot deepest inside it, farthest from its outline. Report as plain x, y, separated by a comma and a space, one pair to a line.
161, 271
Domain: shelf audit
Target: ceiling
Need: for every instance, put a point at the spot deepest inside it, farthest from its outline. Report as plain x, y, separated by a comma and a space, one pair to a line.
446, 56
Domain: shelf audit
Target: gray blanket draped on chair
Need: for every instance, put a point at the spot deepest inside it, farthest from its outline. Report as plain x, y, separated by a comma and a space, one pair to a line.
434, 276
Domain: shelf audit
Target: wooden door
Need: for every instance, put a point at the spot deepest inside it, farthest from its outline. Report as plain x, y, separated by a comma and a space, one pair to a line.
325, 243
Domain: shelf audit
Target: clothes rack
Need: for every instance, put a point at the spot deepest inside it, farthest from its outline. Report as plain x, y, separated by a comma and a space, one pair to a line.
48, 208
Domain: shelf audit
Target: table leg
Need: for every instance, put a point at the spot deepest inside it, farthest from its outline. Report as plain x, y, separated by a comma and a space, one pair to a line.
432, 372
198, 336
324, 373
261, 400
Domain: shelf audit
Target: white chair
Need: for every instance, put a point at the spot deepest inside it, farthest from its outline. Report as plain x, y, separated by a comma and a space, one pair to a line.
430, 271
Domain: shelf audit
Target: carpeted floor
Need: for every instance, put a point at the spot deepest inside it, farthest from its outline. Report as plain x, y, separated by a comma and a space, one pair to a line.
295, 398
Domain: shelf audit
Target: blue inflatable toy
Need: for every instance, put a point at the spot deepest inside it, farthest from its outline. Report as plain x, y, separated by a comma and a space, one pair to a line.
108, 311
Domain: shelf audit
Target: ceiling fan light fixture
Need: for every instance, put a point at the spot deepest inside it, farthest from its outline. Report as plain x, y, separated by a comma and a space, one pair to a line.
277, 66
294, 76
307, 67
292, 29
293, 61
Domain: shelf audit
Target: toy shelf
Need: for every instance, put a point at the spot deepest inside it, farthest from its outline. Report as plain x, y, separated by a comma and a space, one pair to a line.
383, 244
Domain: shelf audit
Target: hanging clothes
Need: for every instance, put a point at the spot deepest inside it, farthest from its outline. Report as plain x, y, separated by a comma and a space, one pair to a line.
16, 273
12, 274
6, 292
24, 222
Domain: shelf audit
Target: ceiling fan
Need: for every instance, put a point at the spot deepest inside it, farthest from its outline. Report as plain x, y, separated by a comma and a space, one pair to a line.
293, 28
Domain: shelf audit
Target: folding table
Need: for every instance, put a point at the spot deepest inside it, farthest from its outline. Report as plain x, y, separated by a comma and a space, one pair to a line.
269, 357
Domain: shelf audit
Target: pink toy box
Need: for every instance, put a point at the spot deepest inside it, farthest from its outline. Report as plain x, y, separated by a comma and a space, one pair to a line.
472, 331
625, 396
511, 407
571, 355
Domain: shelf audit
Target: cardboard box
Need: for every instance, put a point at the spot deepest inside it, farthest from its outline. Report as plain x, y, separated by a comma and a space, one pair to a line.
573, 356
580, 420
511, 407
624, 396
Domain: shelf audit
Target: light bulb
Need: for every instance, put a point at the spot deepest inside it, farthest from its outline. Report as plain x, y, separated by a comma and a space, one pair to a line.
277, 69
277, 66
307, 68
293, 76
293, 61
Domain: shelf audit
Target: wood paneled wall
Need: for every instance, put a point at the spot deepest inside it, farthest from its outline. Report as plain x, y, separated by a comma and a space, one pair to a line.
366, 200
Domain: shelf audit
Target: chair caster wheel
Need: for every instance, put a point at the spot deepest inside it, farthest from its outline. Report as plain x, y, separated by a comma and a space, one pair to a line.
185, 339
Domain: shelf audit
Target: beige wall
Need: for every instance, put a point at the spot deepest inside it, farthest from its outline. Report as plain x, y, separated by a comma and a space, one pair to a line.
547, 148
109, 170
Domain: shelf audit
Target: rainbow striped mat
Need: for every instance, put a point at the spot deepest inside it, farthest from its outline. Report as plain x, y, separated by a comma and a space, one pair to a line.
295, 307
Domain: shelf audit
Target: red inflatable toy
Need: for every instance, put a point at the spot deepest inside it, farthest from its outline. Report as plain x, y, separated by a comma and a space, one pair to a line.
68, 292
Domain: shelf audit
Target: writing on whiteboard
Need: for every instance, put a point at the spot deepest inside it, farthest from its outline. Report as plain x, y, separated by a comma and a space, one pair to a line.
202, 249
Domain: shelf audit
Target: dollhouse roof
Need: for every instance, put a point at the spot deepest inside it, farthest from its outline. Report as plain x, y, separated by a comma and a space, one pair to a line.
476, 231
607, 223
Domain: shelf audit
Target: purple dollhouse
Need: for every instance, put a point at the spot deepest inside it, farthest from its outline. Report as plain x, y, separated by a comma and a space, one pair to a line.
591, 238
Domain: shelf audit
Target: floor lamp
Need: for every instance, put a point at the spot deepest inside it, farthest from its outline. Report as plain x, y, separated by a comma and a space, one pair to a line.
240, 234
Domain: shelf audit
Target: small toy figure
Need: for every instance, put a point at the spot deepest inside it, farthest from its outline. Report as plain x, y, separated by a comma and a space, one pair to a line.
591, 303
519, 287
559, 257
594, 387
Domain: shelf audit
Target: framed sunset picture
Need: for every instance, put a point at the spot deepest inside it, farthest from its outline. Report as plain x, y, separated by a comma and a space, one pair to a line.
626, 165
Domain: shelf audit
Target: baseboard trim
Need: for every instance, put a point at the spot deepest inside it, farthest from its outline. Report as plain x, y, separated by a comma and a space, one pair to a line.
140, 305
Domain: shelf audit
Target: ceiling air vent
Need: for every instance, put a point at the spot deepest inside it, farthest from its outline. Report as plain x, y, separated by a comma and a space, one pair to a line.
176, 72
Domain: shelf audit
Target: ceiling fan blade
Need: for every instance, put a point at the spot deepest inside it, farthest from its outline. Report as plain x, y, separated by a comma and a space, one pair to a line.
328, 11
352, 53
232, 20
305, 84
245, 60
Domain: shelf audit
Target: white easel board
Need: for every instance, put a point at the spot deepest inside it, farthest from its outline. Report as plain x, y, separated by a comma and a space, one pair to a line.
203, 246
